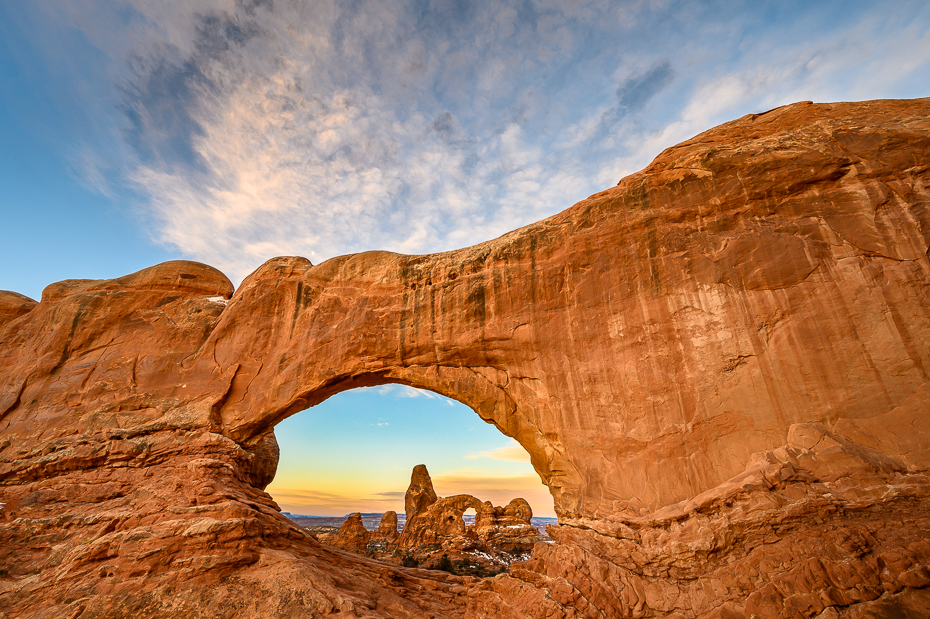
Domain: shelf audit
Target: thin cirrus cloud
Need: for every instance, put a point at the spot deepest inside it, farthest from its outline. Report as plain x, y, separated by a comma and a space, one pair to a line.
406, 391
309, 501
512, 452
262, 128
499, 489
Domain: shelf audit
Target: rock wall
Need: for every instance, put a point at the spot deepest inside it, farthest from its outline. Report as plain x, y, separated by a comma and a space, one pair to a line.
718, 367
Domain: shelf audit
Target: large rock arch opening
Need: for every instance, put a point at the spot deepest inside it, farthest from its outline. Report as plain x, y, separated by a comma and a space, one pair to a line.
370, 438
393, 339
719, 367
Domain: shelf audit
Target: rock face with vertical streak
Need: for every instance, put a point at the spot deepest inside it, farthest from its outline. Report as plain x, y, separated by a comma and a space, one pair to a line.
719, 367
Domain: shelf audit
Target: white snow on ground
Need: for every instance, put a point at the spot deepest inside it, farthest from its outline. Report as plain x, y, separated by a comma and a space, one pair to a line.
504, 558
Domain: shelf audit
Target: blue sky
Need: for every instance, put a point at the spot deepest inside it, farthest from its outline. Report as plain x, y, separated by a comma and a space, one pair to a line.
232, 131
356, 451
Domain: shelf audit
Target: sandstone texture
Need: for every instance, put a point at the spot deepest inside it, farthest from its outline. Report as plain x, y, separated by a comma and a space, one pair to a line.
420, 494
719, 367
352, 534
505, 526
13, 305
433, 520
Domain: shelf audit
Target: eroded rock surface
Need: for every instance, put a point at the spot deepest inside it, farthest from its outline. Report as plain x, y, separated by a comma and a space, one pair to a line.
438, 521
13, 305
420, 494
352, 534
507, 526
719, 368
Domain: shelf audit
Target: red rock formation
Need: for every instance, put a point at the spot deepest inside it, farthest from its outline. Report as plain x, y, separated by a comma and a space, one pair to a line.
13, 305
719, 368
438, 520
352, 534
420, 494
505, 526
387, 528
264, 465
431, 519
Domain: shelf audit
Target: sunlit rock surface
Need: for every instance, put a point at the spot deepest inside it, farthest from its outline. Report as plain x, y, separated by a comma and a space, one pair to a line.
433, 520
719, 367
352, 534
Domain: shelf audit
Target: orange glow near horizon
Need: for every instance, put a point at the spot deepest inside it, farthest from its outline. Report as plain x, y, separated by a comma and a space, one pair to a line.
355, 452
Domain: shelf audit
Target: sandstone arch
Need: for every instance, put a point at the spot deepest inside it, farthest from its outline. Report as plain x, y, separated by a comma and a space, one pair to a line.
384, 343
719, 367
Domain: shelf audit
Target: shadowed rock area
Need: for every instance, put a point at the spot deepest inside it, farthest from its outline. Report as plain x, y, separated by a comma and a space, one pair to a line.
719, 368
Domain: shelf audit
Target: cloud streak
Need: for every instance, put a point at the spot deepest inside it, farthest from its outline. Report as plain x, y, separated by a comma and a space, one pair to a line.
512, 452
263, 128
500, 489
315, 502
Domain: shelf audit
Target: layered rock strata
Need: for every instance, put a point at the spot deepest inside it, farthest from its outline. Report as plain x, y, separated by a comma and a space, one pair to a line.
719, 368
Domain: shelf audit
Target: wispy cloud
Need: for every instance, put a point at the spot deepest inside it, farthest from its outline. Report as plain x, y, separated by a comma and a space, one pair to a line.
406, 391
395, 494
309, 501
512, 452
262, 128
